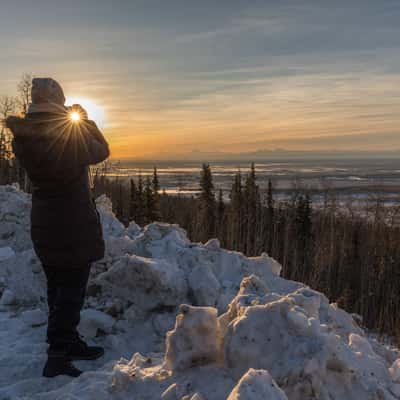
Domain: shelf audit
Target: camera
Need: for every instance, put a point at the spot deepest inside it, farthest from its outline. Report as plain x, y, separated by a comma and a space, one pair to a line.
76, 112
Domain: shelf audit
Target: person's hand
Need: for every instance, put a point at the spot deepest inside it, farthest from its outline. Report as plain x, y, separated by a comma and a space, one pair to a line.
80, 110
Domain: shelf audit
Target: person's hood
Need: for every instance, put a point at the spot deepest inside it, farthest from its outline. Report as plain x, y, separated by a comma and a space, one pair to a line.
47, 96
47, 106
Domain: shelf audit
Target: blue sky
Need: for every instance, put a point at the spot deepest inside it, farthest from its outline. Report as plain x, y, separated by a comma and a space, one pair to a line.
232, 76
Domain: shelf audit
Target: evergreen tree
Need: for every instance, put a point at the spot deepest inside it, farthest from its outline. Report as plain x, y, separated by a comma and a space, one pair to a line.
270, 198
156, 196
251, 198
270, 222
303, 238
207, 204
221, 228
148, 201
133, 197
221, 206
117, 198
140, 209
120, 202
236, 213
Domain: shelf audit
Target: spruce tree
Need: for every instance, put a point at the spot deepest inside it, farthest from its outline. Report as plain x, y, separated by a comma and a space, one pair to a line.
140, 211
221, 228
148, 202
221, 206
270, 198
236, 213
251, 199
133, 196
120, 209
117, 198
156, 196
303, 232
270, 222
207, 204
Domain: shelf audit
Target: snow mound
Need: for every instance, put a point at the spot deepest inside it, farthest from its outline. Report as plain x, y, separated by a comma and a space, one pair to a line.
147, 284
185, 321
15, 208
257, 385
22, 275
195, 339
94, 320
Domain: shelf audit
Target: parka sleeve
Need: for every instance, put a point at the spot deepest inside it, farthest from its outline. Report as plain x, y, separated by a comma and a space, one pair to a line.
95, 147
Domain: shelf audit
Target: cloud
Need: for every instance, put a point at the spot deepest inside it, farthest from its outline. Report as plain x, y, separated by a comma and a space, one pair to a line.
204, 75
357, 141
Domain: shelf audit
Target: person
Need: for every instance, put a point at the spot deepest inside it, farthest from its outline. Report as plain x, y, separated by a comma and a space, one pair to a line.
56, 152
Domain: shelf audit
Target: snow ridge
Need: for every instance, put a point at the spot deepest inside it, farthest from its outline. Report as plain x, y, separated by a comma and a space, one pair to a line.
182, 320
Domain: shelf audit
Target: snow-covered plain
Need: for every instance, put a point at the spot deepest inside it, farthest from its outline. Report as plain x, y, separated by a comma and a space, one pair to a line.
182, 320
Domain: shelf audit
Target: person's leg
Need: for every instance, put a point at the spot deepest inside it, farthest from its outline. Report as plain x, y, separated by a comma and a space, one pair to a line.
83, 279
66, 304
51, 289
51, 286
66, 295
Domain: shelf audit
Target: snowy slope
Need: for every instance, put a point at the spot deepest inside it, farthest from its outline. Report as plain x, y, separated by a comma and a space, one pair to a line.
182, 320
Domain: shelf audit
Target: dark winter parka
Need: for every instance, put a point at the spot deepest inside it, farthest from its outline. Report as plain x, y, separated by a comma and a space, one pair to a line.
56, 153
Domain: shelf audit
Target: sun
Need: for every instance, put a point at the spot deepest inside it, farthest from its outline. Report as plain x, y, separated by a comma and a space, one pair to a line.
94, 110
75, 116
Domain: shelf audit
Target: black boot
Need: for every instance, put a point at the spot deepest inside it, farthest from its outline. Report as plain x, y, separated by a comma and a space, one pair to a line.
79, 350
59, 364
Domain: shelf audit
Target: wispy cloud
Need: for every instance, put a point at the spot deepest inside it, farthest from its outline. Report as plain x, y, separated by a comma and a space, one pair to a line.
301, 74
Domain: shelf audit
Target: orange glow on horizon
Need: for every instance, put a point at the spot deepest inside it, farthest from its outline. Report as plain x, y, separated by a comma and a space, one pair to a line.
306, 113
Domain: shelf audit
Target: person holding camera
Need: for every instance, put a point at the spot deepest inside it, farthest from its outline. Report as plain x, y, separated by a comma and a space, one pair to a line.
56, 145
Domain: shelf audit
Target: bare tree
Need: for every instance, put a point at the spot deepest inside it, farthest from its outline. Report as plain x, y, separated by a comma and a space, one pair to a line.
24, 98
7, 107
24, 92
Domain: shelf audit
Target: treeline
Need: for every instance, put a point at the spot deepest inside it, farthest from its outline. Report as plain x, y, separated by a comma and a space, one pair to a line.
136, 200
351, 256
10, 169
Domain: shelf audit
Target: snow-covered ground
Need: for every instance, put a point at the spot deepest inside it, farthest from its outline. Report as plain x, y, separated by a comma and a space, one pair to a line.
182, 320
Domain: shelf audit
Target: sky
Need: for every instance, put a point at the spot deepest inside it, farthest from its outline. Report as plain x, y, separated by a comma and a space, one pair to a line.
227, 77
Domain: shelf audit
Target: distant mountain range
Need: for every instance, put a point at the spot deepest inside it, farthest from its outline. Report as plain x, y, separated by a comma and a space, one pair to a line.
275, 154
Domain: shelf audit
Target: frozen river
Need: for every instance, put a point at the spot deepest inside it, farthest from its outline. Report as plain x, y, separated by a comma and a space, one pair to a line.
360, 178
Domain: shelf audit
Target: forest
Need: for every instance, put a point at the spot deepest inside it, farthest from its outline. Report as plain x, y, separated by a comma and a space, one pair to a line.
352, 257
